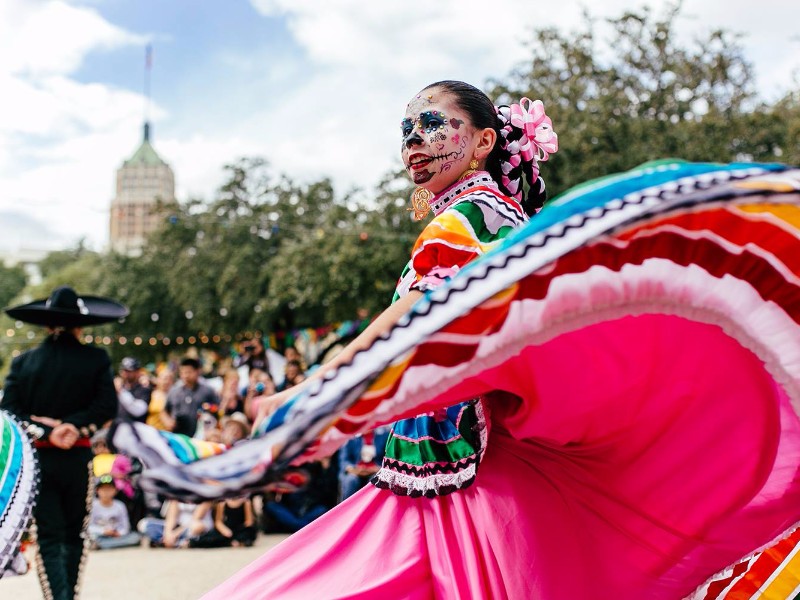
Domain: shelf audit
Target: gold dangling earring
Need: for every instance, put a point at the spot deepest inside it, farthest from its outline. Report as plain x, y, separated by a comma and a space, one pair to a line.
473, 168
420, 203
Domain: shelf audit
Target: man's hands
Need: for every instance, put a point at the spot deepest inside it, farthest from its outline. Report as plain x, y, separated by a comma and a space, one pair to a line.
46, 421
64, 436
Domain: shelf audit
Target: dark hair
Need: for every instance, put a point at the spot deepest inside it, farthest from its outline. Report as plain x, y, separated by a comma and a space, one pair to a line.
483, 114
188, 361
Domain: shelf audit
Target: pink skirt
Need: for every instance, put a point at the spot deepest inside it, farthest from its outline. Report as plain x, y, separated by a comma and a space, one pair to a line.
640, 477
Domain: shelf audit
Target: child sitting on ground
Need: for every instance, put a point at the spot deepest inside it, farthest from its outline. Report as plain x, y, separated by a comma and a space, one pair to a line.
181, 522
234, 429
109, 526
234, 525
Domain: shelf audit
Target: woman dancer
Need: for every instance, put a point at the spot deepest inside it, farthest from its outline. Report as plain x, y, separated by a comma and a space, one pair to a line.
635, 355
469, 159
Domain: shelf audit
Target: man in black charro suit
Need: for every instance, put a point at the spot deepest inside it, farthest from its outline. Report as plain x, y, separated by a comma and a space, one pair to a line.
62, 391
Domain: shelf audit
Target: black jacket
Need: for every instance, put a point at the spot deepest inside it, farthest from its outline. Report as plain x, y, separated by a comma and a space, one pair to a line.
62, 379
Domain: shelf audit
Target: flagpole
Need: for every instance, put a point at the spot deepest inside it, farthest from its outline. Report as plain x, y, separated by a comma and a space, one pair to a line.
148, 63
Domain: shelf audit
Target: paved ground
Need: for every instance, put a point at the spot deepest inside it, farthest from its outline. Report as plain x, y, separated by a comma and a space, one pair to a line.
149, 573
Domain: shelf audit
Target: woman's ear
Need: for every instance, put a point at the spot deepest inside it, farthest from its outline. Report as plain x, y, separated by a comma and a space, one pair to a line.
486, 141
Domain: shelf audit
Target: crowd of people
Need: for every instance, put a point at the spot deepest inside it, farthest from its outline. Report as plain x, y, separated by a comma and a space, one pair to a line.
220, 407
663, 467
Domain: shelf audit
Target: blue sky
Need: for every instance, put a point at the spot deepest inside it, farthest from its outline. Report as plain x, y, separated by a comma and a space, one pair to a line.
209, 62
315, 86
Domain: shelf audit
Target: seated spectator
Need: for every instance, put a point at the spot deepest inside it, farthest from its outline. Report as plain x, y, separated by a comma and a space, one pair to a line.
293, 374
291, 503
231, 400
109, 526
134, 396
359, 459
234, 525
123, 471
185, 400
260, 386
234, 428
157, 415
181, 522
253, 355
291, 353
254, 377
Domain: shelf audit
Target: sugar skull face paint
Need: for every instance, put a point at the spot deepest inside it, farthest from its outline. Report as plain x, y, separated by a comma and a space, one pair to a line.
437, 141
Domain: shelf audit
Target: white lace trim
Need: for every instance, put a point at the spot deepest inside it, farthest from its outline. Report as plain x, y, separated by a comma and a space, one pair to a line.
482, 414
442, 202
400, 482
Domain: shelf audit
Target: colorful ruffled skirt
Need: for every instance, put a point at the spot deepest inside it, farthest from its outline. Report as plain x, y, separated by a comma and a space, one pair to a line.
636, 350
19, 481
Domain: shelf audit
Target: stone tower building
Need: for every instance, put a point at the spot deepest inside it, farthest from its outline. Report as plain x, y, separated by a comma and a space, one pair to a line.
142, 181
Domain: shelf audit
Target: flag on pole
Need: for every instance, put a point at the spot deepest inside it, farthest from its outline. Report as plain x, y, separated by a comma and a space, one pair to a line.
148, 57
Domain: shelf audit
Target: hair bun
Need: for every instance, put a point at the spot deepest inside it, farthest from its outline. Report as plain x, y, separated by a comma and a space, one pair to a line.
527, 139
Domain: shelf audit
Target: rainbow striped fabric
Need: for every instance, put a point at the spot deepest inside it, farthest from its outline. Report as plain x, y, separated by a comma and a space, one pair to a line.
189, 449
770, 574
18, 488
709, 243
163, 446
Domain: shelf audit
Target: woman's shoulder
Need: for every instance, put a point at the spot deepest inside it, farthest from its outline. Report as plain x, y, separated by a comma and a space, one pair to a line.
477, 213
489, 200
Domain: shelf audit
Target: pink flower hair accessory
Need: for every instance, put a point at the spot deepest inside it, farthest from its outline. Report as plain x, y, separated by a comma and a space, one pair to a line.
528, 138
540, 140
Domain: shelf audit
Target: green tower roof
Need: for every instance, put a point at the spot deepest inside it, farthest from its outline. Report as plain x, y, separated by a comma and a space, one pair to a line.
146, 154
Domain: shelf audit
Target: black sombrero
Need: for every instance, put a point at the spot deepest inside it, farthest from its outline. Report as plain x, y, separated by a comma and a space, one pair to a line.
65, 308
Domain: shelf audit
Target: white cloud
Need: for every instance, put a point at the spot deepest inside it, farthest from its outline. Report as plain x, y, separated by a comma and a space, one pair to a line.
334, 111
19, 230
419, 36
407, 37
268, 8
199, 160
49, 37
61, 140
371, 57
368, 60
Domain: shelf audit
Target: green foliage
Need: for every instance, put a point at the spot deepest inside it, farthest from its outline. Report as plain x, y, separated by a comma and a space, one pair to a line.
642, 95
266, 254
60, 259
347, 261
12, 280
82, 270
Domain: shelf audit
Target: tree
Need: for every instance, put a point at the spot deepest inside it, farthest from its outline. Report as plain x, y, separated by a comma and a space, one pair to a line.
12, 281
60, 259
268, 253
641, 96
348, 263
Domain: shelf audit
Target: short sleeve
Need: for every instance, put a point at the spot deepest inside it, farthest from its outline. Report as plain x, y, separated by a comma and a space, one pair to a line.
448, 243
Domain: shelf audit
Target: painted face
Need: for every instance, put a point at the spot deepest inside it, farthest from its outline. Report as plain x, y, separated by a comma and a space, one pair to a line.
438, 140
